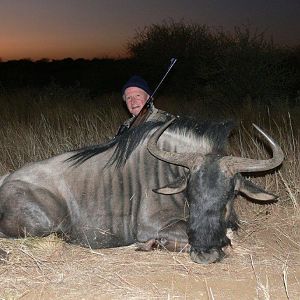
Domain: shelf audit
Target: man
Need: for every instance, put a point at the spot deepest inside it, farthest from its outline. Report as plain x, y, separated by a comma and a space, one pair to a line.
135, 93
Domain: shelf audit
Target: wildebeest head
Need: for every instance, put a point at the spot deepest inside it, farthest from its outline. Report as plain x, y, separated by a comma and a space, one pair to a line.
212, 183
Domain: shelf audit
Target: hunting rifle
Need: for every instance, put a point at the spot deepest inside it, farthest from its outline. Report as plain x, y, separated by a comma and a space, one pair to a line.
143, 115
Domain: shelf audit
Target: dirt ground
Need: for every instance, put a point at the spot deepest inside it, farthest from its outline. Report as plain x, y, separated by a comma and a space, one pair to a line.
264, 263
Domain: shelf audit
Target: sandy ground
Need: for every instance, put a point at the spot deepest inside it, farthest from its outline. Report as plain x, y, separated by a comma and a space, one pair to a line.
264, 263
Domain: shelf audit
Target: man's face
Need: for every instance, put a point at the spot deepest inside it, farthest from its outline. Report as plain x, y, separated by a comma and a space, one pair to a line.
135, 99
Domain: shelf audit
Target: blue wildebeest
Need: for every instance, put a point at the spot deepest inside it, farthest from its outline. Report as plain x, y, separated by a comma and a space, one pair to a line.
102, 196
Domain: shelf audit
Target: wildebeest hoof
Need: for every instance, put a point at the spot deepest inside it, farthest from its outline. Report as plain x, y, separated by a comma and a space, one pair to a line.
147, 246
152, 244
213, 255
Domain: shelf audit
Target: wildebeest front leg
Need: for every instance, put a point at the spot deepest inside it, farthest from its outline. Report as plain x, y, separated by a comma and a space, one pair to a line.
171, 237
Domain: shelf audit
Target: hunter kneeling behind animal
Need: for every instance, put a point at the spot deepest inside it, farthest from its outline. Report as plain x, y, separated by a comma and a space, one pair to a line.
135, 93
169, 184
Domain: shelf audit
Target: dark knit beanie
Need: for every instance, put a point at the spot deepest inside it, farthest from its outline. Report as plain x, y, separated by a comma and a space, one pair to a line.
136, 81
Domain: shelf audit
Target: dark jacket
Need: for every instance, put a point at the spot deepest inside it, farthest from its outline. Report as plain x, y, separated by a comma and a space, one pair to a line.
155, 115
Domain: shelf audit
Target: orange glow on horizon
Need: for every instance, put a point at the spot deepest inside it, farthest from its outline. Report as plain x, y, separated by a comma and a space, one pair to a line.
58, 55
56, 30
35, 50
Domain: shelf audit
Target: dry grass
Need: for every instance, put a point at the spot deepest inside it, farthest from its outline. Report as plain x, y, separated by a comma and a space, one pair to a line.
262, 264
35, 127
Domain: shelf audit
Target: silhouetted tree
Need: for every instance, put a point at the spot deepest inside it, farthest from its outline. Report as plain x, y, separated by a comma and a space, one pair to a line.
214, 62
192, 44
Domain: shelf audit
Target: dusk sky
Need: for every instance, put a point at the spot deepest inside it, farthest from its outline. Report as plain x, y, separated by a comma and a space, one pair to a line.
89, 28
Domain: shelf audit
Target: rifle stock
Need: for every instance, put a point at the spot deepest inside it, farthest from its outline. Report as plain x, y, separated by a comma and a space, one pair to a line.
143, 115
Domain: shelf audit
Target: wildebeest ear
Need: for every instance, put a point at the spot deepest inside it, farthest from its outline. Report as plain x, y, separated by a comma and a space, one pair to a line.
253, 191
175, 187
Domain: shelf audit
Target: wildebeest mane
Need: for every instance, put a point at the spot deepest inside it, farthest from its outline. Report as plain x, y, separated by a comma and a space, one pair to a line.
216, 132
125, 144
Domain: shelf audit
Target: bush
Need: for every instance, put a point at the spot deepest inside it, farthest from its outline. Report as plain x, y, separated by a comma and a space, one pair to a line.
244, 64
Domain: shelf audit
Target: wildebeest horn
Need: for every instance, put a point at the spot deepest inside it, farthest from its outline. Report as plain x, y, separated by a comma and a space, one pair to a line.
239, 164
181, 159
231, 163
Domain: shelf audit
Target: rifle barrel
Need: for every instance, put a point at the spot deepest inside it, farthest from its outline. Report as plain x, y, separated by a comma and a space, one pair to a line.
141, 116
